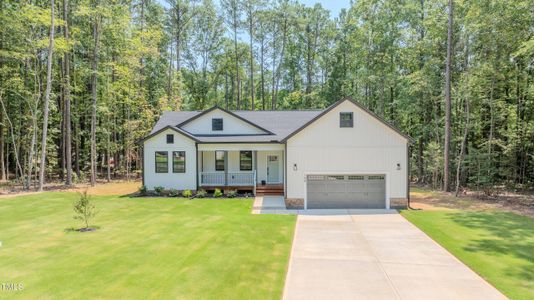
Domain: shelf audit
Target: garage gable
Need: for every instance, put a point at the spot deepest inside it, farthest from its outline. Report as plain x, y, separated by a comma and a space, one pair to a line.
360, 116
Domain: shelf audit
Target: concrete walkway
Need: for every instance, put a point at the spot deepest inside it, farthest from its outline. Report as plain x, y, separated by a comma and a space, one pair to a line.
269, 205
374, 255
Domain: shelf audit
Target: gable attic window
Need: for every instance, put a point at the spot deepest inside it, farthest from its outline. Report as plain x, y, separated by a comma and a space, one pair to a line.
217, 124
170, 138
346, 120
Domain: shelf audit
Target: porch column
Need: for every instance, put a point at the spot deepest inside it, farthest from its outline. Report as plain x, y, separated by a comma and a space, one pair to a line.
255, 162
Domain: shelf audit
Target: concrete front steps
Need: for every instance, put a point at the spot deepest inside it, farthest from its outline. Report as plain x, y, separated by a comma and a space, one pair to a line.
270, 190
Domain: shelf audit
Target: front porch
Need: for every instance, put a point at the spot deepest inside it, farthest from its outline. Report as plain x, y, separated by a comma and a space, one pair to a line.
248, 167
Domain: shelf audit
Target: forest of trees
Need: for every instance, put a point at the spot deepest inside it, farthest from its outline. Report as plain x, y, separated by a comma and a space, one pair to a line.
86, 79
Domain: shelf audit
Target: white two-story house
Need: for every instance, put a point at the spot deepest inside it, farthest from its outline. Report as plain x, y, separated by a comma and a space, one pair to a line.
341, 157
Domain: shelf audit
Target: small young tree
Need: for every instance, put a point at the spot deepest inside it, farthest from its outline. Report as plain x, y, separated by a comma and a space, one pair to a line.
84, 208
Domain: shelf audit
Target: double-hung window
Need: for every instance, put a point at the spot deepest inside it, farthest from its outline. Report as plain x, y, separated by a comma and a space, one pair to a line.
220, 161
245, 160
162, 162
178, 161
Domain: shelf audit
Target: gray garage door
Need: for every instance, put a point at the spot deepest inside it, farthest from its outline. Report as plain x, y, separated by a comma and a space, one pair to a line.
346, 191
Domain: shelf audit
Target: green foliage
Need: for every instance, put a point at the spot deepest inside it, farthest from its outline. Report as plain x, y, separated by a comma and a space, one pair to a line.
187, 193
159, 234
174, 193
143, 190
231, 194
217, 193
201, 194
497, 245
84, 208
158, 190
387, 55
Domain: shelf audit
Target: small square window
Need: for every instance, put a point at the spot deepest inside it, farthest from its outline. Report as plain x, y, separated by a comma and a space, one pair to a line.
170, 138
217, 124
345, 119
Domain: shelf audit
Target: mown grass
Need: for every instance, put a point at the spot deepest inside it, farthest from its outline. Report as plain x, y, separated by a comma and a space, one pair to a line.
497, 245
145, 248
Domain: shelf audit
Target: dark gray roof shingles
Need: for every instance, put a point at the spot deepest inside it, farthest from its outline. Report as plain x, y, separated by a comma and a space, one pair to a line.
280, 122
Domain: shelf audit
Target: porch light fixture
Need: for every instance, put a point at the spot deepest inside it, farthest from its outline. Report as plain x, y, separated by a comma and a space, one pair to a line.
398, 166
294, 167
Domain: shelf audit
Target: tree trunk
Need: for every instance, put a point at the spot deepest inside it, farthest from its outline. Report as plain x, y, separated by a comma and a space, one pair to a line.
170, 75
15, 151
96, 35
262, 71
47, 97
66, 87
462, 147
252, 92
279, 67
446, 158
238, 102
2, 144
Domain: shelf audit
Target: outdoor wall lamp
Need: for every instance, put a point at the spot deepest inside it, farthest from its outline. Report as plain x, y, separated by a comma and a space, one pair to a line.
294, 167
398, 166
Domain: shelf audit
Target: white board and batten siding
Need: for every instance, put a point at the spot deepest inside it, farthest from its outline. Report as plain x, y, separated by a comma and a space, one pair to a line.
170, 180
369, 147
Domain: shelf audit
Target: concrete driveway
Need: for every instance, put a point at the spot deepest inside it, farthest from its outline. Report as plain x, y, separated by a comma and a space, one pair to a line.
374, 255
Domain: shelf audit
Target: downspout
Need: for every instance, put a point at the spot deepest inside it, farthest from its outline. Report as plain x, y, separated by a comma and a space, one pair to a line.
255, 162
143, 164
196, 163
285, 170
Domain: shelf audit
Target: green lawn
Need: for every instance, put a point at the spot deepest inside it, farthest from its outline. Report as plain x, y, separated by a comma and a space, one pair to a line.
151, 248
497, 245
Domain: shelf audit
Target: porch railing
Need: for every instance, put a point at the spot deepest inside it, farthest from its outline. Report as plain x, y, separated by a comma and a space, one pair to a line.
227, 179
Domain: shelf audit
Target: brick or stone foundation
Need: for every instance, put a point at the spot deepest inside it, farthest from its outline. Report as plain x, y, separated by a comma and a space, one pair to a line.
398, 203
295, 203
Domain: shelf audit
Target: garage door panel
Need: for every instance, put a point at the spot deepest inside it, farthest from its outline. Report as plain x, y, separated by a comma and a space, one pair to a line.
346, 191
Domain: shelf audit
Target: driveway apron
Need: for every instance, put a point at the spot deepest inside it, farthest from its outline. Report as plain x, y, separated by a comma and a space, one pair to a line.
374, 255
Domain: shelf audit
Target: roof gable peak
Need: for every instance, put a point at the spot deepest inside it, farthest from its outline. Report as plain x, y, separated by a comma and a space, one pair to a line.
232, 114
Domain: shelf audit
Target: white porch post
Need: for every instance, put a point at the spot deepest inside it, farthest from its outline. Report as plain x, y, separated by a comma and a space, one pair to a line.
255, 163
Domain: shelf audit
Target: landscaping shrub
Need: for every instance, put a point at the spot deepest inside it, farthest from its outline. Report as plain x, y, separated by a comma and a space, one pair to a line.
231, 194
187, 194
217, 193
174, 193
201, 194
159, 190
143, 190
